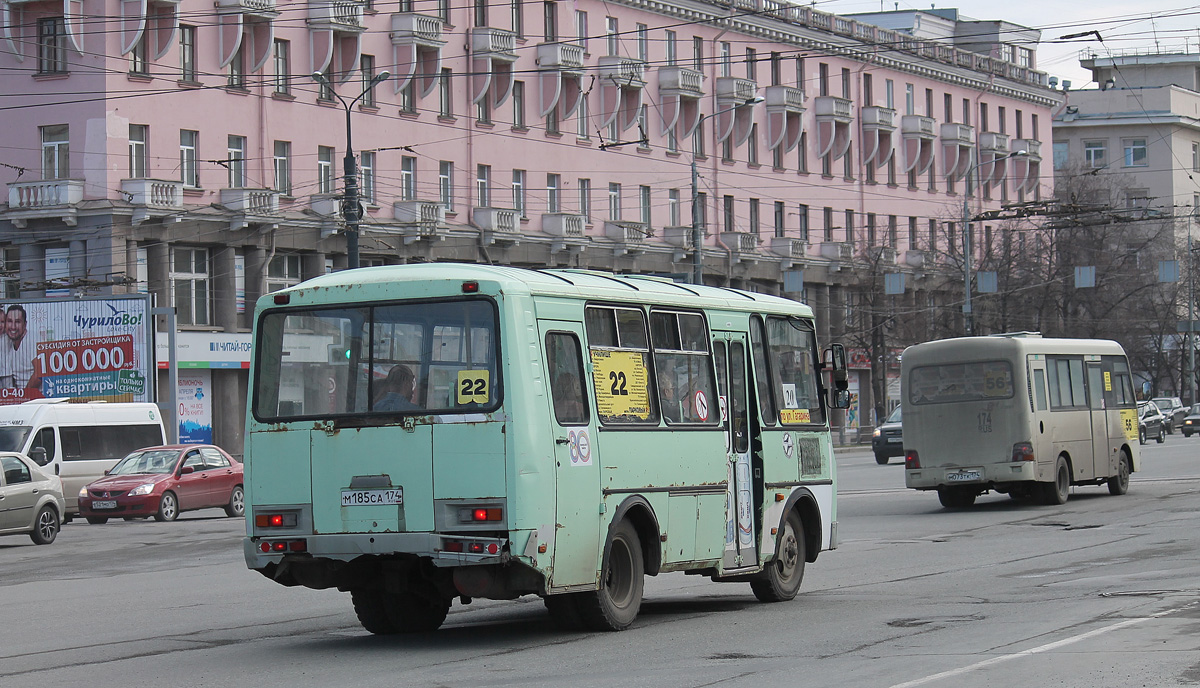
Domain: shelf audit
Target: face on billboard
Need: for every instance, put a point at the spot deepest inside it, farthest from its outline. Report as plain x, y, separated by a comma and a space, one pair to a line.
15, 324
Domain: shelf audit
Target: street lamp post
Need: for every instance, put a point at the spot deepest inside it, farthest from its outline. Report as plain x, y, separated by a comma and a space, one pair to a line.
968, 315
351, 208
697, 230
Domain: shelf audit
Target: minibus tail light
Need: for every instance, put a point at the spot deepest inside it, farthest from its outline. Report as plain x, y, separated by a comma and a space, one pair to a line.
282, 299
912, 459
1023, 451
470, 287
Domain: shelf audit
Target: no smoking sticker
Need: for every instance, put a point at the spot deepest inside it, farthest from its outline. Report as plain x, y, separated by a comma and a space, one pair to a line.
701, 404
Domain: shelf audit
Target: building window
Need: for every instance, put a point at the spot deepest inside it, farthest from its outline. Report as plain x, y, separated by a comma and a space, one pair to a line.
553, 193
139, 150
483, 185
366, 172
672, 49
408, 178
726, 58
518, 192
912, 232
189, 284
893, 231
52, 45
585, 199
325, 169
446, 184
483, 111
138, 64
481, 12
871, 240
728, 214
518, 17
518, 101
727, 150
235, 159
673, 215
643, 42
281, 62
802, 221
187, 53
697, 53
802, 167
282, 164
283, 271
550, 21
849, 226
752, 149
10, 272
1196, 157
755, 217
698, 140
644, 198
325, 86
751, 64
581, 29
776, 69
1095, 154
1135, 152
408, 99
366, 67
581, 118
189, 146
827, 215
445, 102
612, 27
614, 201
237, 68
780, 218
1062, 154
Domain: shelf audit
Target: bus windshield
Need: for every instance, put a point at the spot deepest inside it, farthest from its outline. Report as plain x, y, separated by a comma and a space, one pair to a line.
414, 357
12, 437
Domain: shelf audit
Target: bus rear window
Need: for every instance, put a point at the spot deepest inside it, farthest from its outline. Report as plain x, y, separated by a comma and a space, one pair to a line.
416, 358
958, 382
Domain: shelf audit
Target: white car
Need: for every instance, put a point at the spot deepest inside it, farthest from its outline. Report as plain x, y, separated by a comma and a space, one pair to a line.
31, 499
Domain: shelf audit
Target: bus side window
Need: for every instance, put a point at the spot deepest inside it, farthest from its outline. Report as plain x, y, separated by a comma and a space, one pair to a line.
1039, 389
762, 380
45, 440
565, 366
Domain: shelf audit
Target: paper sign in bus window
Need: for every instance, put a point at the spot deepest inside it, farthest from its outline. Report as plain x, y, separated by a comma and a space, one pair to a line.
620, 378
789, 396
473, 387
791, 416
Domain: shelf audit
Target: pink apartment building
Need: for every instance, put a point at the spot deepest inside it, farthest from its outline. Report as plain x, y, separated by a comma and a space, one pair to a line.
182, 148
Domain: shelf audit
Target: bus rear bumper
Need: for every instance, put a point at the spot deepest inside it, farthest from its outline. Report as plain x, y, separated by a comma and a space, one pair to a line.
441, 550
994, 476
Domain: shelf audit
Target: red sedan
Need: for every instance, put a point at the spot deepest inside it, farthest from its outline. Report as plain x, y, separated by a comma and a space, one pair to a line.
163, 481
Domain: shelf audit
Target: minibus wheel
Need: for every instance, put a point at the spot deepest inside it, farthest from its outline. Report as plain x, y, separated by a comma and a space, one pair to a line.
368, 607
564, 611
413, 613
1057, 492
615, 605
956, 497
781, 577
1119, 483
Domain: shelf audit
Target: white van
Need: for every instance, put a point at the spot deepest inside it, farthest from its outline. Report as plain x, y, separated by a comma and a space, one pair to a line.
79, 441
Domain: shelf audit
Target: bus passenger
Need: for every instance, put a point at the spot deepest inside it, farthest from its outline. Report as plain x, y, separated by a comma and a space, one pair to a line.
395, 392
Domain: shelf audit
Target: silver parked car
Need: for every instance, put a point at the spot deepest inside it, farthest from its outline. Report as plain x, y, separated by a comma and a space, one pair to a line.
31, 499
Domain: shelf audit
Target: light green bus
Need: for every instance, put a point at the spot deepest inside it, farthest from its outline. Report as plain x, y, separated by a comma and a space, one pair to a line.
423, 433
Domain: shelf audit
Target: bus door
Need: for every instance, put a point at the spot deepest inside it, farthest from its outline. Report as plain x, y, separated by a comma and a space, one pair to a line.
733, 396
576, 529
1099, 420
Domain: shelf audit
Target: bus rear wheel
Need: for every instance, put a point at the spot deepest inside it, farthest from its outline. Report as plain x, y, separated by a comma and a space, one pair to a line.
781, 578
616, 604
1119, 483
1057, 492
956, 497
385, 613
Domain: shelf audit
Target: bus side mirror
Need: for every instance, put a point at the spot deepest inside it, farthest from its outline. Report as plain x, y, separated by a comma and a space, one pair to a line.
839, 398
1146, 388
38, 454
836, 362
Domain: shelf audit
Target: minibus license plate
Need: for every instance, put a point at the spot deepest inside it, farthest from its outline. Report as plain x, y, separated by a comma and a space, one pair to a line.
962, 476
390, 496
104, 503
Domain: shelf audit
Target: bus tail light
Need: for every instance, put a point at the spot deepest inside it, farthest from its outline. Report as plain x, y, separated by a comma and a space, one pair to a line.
912, 459
481, 514
282, 520
1023, 451
469, 547
283, 546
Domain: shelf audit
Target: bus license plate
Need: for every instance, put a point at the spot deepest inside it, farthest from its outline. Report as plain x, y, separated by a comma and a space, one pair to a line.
963, 476
104, 503
390, 496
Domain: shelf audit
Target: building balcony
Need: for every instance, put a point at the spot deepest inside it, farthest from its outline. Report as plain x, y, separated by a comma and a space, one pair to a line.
680, 81
918, 137
876, 117
343, 16
251, 207
785, 110
626, 72
500, 225
419, 29
566, 225
152, 197
879, 127
842, 251
883, 255
50, 199
416, 51
563, 57
735, 90
914, 258
497, 44
784, 98
958, 134
918, 126
735, 114
263, 9
993, 142
789, 248
628, 236
833, 116
1027, 169
420, 220
958, 146
743, 245
680, 236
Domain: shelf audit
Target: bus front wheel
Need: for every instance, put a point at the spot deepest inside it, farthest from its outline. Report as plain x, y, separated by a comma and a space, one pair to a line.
616, 604
1057, 492
780, 579
1119, 483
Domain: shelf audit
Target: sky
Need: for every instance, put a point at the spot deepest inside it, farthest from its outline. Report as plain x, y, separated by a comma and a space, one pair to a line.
1154, 25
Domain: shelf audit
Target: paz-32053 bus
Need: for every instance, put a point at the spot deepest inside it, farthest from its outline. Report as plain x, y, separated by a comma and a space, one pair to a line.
423, 433
1018, 414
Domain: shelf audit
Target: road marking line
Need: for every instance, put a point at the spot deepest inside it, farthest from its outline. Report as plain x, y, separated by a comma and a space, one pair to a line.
1033, 651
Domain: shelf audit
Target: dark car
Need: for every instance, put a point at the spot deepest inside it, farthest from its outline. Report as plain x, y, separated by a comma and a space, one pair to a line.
886, 441
164, 481
1173, 411
1151, 422
1191, 422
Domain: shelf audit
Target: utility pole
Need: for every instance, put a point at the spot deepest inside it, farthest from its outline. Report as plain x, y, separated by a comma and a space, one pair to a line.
968, 315
351, 206
697, 230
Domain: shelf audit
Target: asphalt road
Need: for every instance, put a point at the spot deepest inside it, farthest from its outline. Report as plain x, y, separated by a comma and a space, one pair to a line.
1099, 592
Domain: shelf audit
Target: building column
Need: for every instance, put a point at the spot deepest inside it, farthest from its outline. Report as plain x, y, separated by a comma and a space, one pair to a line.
224, 288
158, 277
312, 265
256, 274
33, 269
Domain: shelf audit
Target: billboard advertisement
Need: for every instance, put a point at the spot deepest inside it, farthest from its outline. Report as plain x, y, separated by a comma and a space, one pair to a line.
89, 348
